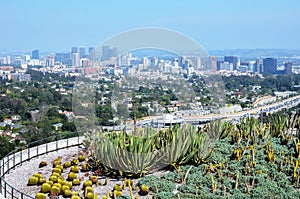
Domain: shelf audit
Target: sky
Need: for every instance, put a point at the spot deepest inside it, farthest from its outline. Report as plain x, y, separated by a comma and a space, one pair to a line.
57, 25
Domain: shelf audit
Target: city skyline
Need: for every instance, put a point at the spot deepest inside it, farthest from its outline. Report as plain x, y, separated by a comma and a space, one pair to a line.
57, 25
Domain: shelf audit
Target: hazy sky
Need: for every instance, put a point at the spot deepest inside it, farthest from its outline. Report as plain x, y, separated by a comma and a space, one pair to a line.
57, 25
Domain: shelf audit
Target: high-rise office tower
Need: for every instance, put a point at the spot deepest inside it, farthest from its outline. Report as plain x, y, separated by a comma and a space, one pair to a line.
213, 63
269, 66
91, 49
234, 60
35, 54
258, 67
75, 59
288, 67
108, 52
74, 50
82, 53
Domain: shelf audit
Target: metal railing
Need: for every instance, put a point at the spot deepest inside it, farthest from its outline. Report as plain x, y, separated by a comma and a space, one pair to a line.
29, 151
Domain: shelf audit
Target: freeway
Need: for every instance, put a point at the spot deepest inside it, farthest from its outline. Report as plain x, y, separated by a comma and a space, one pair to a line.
158, 121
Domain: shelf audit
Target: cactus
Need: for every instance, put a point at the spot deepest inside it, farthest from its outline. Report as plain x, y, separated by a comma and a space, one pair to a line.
144, 190
87, 183
42, 164
118, 187
53, 178
72, 176
49, 182
69, 184
56, 174
61, 167
57, 162
75, 197
85, 167
117, 193
41, 181
55, 190
74, 161
81, 158
89, 195
33, 181
45, 188
67, 193
75, 169
64, 187
67, 164
94, 179
76, 182
40, 196
37, 175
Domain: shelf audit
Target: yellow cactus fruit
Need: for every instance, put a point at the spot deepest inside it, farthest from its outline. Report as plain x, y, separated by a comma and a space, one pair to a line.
33, 181
45, 188
40, 196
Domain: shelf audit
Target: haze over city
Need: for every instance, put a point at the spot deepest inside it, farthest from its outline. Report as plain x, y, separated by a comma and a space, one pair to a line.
57, 25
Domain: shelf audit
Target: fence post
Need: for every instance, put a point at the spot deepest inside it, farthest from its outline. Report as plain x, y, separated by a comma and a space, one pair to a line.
0, 185
28, 152
12, 192
47, 147
37, 151
4, 189
21, 157
14, 160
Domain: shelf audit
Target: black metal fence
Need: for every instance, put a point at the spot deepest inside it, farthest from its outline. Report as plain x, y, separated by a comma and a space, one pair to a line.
32, 150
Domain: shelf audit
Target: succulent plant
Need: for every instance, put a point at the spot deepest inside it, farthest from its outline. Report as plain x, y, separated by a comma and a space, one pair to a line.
56, 170
117, 193
74, 161
55, 190
64, 187
76, 182
94, 179
87, 183
67, 164
85, 167
33, 181
42, 164
45, 188
75, 197
74, 169
144, 190
69, 184
55, 163
41, 181
81, 158
89, 195
118, 187
53, 178
67, 193
40, 196
72, 176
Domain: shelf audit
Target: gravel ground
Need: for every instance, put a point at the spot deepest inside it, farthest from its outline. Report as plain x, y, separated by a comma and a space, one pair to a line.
19, 176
